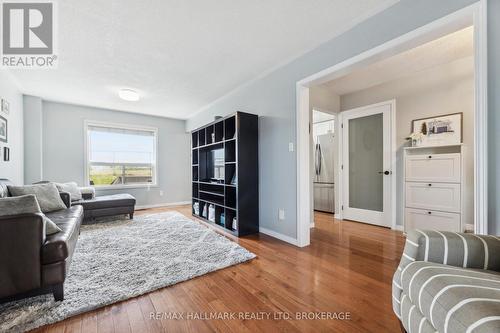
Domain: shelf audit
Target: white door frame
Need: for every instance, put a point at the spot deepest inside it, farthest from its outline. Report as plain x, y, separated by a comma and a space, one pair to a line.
391, 201
475, 15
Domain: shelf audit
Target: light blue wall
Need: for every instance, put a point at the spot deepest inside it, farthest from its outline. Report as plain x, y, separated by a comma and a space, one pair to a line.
273, 98
33, 140
63, 150
12, 169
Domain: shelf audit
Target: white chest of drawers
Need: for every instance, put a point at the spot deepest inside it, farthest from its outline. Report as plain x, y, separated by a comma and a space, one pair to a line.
433, 188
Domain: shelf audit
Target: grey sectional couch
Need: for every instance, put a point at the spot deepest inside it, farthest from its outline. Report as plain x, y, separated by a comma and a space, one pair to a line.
448, 282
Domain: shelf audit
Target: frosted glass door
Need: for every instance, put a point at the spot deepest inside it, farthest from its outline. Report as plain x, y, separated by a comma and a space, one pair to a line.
366, 162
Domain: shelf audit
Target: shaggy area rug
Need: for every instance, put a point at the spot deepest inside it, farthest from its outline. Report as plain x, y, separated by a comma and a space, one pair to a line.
117, 260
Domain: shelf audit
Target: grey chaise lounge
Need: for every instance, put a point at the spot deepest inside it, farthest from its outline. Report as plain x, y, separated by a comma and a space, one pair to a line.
105, 205
448, 282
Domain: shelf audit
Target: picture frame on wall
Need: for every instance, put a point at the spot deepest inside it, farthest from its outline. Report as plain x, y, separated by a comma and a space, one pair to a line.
5, 107
3, 129
442, 130
6, 154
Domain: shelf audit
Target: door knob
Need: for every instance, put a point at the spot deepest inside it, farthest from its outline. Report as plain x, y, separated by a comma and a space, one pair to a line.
386, 172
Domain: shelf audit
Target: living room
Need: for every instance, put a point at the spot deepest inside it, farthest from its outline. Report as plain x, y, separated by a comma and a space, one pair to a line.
161, 181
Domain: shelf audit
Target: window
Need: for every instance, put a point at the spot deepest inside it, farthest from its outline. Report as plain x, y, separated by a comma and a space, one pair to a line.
119, 155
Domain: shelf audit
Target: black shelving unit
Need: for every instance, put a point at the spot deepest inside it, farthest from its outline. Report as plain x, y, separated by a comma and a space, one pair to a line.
226, 173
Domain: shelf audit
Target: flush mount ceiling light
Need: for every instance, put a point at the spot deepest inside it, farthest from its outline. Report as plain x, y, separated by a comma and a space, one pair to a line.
129, 95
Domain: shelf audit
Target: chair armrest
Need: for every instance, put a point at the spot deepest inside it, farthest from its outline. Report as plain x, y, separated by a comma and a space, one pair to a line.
452, 248
449, 248
21, 240
66, 198
88, 193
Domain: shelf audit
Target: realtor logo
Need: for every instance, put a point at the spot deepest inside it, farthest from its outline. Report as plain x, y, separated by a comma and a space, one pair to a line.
28, 34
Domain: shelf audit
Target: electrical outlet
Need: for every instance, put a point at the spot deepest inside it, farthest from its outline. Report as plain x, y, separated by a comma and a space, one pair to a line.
161, 193
290, 146
281, 214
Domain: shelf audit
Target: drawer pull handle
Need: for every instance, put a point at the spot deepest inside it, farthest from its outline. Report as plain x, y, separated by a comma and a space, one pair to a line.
430, 184
429, 213
430, 156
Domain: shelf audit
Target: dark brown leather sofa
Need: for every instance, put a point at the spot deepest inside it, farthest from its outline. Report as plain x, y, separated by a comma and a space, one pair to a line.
31, 263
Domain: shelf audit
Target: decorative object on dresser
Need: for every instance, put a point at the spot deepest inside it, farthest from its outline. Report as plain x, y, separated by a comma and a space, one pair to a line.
439, 130
225, 173
434, 186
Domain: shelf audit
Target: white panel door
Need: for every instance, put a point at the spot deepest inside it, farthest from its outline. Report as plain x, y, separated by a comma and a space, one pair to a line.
366, 160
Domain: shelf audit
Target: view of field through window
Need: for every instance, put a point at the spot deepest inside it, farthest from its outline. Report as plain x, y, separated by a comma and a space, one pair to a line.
121, 156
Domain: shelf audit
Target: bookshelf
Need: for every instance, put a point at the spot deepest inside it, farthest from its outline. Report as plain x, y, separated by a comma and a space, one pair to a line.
225, 173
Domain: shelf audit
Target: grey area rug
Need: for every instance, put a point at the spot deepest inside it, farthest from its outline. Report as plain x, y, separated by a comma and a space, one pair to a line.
117, 260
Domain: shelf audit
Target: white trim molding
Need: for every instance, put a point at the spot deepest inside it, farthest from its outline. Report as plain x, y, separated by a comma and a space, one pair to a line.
86, 146
279, 236
475, 15
481, 119
167, 204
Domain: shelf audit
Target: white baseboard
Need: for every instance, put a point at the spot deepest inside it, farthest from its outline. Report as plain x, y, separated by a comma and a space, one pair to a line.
399, 228
167, 204
469, 227
337, 216
279, 236
311, 225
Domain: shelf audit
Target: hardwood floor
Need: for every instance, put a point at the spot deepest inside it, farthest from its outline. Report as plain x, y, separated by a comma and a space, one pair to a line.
347, 269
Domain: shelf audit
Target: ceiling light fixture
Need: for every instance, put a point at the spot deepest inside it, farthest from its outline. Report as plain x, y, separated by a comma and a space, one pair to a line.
129, 95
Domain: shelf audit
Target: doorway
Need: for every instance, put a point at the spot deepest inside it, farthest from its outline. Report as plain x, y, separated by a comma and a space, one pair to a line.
324, 159
368, 164
474, 16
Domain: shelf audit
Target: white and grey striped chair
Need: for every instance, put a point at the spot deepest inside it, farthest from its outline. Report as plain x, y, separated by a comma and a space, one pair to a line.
448, 282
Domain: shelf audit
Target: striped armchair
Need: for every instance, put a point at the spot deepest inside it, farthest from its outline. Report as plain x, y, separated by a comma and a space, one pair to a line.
448, 282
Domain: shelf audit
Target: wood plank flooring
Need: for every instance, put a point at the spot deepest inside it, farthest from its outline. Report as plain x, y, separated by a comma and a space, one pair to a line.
347, 269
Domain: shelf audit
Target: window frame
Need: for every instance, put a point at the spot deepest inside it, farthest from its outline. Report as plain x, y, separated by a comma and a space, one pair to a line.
88, 123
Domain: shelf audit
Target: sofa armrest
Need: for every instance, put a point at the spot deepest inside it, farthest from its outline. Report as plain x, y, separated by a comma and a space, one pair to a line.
448, 248
452, 248
21, 240
88, 193
66, 198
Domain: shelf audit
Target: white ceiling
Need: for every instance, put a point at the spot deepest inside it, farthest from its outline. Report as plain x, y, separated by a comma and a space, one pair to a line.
444, 50
181, 55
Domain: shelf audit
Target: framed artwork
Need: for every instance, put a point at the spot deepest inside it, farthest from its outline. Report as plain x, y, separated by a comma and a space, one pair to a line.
6, 154
439, 130
5, 106
3, 129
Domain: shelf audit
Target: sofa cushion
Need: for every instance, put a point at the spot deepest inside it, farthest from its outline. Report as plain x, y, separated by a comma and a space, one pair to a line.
72, 188
451, 298
26, 204
47, 195
412, 319
57, 247
107, 201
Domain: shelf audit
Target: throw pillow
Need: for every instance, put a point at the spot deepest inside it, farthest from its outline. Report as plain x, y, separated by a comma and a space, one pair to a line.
26, 204
47, 195
72, 188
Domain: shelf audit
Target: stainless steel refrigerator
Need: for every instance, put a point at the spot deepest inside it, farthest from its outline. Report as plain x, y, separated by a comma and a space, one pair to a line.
324, 190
